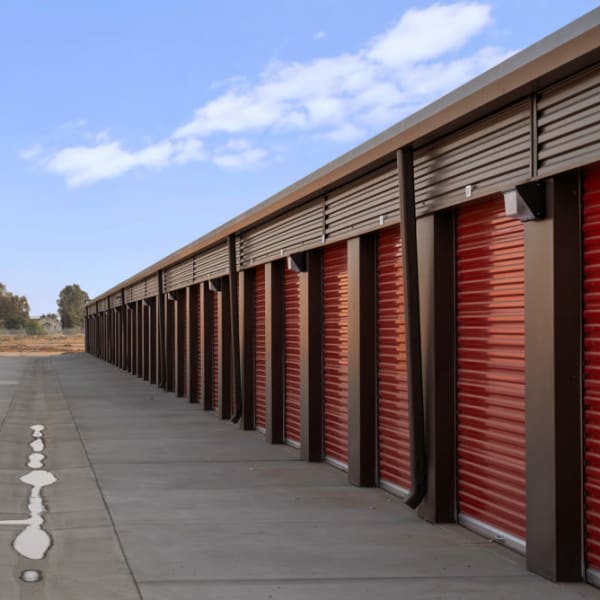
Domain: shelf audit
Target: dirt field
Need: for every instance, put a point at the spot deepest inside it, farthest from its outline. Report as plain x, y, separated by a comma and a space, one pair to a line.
40, 345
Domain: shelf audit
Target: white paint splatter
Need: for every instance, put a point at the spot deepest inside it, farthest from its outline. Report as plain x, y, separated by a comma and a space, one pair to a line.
37, 445
33, 542
36, 460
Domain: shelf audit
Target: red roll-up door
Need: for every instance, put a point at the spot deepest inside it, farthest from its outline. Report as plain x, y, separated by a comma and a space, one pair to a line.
392, 410
215, 350
292, 356
491, 370
335, 359
591, 388
260, 397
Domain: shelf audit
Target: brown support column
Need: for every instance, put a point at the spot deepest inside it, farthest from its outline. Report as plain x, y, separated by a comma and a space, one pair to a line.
169, 344
160, 343
123, 333
553, 385
234, 328
247, 332
180, 342
131, 333
416, 412
225, 363
176, 342
205, 346
124, 349
153, 341
107, 335
274, 345
119, 336
435, 239
111, 335
362, 354
100, 336
192, 356
311, 358
114, 334
140, 338
133, 338
146, 335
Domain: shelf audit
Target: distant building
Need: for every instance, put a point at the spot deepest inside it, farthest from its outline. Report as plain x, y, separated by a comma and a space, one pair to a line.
49, 324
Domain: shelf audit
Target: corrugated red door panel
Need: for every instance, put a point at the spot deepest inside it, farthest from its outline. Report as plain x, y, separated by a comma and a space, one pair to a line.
392, 409
260, 398
335, 352
491, 367
591, 388
292, 356
215, 350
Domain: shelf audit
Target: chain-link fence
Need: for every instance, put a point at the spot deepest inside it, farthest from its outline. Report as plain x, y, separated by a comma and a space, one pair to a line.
19, 333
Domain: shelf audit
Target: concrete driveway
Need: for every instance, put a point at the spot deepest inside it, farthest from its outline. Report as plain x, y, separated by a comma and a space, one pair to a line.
156, 499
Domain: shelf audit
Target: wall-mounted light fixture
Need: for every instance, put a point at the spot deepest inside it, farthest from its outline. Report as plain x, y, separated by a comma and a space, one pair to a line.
146, 302
526, 202
297, 262
214, 285
171, 296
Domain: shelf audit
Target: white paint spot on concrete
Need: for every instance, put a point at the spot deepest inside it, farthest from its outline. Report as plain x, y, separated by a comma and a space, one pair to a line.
38, 431
37, 445
31, 576
33, 542
36, 460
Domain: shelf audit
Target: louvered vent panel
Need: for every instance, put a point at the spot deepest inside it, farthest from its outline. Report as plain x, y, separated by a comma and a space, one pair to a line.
152, 286
138, 291
363, 205
568, 122
292, 232
179, 276
212, 263
490, 156
103, 305
116, 300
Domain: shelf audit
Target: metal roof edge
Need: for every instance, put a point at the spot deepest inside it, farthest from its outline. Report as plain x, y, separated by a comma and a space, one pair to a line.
522, 69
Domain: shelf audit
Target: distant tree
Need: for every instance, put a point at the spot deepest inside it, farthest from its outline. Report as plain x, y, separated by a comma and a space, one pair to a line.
71, 303
33, 327
14, 310
49, 316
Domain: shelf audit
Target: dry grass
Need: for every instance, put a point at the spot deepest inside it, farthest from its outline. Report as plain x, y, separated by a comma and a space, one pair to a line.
43, 345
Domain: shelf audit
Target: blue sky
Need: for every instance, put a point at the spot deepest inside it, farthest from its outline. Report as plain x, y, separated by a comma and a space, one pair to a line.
131, 128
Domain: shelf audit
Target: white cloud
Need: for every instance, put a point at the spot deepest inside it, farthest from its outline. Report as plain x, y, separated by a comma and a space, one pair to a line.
31, 153
82, 165
403, 67
345, 133
426, 34
102, 136
341, 98
239, 154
